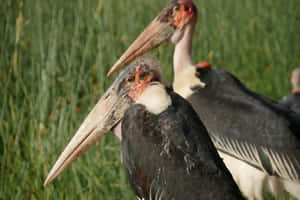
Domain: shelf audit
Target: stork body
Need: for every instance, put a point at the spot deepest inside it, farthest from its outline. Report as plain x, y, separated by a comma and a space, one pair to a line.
245, 126
169, 155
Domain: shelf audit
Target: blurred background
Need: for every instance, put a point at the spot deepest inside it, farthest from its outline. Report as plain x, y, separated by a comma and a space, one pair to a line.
54, 56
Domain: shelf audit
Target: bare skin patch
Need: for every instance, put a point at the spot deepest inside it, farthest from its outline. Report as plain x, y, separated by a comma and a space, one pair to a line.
203, 65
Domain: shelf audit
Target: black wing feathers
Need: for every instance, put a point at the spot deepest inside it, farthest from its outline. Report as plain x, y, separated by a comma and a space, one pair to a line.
174, 155
247, 125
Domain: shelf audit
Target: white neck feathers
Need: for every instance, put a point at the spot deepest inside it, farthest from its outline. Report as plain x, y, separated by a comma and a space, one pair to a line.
155, 98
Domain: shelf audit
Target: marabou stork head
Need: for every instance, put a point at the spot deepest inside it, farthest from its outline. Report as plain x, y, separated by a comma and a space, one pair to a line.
168, 26
109, 110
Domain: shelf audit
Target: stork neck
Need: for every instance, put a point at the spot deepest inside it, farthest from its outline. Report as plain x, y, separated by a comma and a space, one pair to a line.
183, 49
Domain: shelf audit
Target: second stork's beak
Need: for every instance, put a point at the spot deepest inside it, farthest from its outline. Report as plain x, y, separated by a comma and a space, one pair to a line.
156, 33
167, 26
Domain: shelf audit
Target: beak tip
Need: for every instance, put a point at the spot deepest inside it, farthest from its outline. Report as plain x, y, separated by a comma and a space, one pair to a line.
117, 66
109, 73
113, 70
46, 182
49, 179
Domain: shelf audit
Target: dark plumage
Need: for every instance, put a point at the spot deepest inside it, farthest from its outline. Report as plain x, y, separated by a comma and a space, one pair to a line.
247, 125
170, 155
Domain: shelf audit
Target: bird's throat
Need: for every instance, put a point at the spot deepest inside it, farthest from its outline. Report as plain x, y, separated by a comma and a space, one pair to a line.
183, 50
184, 71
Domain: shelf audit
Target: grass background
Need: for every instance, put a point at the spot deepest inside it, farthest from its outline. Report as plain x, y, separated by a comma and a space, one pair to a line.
53, 59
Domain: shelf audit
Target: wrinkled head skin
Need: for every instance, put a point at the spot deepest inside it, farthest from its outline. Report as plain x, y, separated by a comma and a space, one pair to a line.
168, 26
295, 79
108, 111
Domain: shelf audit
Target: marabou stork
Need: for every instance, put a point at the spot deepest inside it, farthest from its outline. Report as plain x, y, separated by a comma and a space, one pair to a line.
255, 136
292, 101
167, 152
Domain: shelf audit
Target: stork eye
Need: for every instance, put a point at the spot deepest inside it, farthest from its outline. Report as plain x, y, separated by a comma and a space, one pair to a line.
175, 8
142, 75
130, 78
186, 8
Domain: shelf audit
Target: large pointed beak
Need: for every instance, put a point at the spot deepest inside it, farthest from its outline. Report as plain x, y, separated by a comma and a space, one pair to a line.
103, 117
155, 34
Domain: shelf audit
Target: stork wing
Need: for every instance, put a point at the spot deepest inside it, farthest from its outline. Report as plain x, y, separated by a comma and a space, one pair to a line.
248, 126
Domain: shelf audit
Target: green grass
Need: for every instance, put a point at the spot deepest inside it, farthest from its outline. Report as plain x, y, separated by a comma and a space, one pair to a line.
53, 59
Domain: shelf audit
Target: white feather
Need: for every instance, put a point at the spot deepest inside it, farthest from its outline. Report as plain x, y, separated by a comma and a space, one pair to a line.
187, 80
155, 98
253, 182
